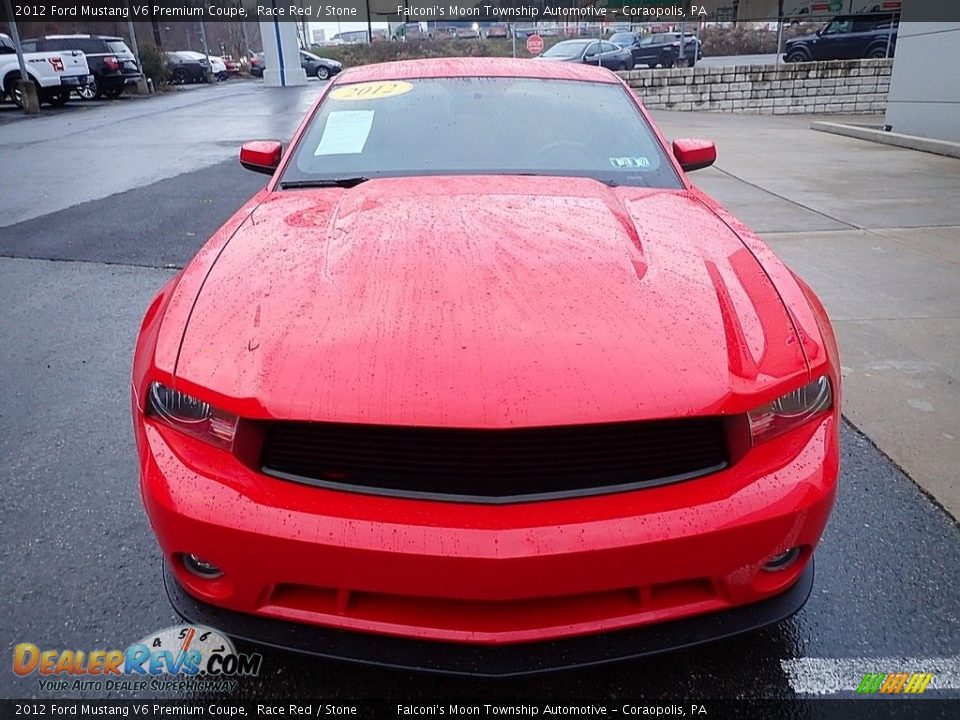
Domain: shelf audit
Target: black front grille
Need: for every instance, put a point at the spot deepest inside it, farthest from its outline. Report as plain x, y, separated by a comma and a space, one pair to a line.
494, 466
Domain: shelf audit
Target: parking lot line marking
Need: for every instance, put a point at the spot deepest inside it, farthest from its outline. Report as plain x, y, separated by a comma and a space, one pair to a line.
829, 676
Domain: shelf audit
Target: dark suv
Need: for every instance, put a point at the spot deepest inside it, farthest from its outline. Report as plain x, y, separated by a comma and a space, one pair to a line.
847, 37
112, 64
659, 48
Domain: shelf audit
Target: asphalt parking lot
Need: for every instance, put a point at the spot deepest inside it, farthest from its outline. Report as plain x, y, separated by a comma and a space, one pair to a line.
105, 207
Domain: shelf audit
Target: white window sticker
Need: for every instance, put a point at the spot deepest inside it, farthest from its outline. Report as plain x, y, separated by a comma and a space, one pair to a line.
630, 162
345, 133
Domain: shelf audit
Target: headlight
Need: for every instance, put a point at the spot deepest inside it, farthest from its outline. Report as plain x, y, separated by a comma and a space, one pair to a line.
191, 416
791, 410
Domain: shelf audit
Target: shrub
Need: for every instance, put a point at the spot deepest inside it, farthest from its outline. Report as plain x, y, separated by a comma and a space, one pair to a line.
154, 64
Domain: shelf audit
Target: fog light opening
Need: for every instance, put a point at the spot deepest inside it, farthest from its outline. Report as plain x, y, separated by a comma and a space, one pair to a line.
782, 561
200, 567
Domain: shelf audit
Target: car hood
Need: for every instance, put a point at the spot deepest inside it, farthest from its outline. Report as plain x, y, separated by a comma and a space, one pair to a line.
800, 40
486, 302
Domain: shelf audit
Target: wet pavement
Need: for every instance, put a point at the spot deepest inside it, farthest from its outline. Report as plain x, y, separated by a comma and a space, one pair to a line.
80, 566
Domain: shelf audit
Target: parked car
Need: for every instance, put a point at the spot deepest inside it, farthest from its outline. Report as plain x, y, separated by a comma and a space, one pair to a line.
606, 422
659, 48
185, 69
498, 30
257, 64
467, 31
55, 74
351, 37
692, 49
111, 63
319, 67
217, 66
232, 66
590, 52
846, 37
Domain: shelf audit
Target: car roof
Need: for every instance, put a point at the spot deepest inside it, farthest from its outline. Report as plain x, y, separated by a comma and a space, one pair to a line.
81, 37
476, 67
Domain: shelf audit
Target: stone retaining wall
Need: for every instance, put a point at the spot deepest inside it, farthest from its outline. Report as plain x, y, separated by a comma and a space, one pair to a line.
834, 86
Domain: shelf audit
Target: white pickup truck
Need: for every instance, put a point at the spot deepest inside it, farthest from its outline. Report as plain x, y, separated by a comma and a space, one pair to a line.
56, 74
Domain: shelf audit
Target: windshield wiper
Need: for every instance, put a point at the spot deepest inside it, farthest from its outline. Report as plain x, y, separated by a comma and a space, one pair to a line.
344, 182
609, 182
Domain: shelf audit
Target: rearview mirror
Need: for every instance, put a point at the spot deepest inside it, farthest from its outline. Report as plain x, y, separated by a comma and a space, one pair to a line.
693, 154
262, 156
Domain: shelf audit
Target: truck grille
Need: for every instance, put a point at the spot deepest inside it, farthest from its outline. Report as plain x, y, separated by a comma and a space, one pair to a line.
494, 466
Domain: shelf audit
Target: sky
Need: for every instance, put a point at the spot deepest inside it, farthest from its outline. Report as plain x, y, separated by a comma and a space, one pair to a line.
332, 28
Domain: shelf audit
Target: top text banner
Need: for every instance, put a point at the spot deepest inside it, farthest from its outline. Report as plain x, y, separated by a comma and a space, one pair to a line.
429, 11
362, 10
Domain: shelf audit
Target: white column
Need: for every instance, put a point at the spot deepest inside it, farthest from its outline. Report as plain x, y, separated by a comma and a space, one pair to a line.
281, 54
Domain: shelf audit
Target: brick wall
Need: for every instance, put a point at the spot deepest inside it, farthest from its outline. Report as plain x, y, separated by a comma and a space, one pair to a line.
834, 86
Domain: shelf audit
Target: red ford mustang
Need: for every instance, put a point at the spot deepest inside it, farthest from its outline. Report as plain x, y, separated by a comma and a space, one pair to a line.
480, 383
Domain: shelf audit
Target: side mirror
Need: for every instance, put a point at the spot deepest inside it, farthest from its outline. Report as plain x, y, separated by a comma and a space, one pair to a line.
262, 156
694, 154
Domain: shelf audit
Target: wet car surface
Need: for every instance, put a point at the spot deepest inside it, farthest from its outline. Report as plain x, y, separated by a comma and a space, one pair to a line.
82, 570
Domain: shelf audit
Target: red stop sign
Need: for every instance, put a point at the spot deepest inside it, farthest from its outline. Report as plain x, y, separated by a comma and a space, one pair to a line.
534, 44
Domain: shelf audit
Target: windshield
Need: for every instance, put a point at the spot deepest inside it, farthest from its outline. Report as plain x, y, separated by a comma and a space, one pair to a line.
838, 27
572, 48
622, 38
463, 126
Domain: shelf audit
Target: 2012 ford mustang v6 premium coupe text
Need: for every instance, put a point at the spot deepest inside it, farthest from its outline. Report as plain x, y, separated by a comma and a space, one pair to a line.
480, 383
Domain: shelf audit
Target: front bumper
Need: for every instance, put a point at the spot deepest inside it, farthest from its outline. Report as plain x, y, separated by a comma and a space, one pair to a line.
485, 661
487, 577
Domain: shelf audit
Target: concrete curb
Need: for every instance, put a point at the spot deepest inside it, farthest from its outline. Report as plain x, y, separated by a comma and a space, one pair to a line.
873, 134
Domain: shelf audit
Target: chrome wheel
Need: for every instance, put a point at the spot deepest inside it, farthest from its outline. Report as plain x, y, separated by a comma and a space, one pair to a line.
88, 92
